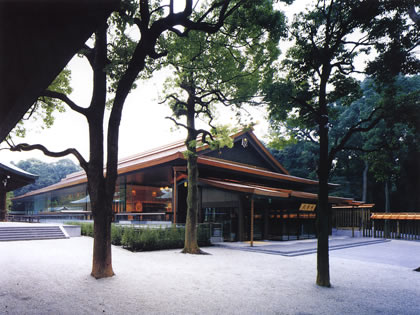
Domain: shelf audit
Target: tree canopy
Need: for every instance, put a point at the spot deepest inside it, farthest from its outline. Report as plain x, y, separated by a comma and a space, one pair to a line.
49, 173
117, 61
225, 68
318, 73
395, 135
43, 109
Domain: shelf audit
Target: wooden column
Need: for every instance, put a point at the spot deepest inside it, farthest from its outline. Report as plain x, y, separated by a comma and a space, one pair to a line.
266, 223
3, 205
252, 222
240, 221
174, 198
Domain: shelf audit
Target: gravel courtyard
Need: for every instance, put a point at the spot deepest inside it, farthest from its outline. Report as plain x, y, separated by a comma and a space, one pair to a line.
52, 277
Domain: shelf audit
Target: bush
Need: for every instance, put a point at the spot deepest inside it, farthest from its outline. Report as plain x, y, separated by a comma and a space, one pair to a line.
116, 234
149, 238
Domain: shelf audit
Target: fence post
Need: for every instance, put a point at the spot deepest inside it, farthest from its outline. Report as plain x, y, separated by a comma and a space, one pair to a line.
373, 229
398, 229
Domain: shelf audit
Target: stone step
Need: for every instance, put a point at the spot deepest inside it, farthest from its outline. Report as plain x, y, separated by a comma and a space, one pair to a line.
19, 233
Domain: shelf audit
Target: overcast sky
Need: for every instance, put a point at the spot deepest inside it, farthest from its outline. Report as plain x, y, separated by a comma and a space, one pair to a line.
143, 125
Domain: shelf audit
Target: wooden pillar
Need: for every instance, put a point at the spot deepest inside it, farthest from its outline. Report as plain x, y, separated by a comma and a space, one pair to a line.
174, 199
266, 223
3, 205
240, 221
373, 228
252, 222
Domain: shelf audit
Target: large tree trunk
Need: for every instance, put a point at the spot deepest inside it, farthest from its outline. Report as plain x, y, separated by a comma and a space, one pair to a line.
100, 197
387, 209
191, 244
102, 258
365, 171
323, 265
324, 165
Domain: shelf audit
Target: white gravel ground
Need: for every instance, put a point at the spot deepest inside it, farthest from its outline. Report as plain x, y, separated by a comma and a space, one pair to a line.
52, 277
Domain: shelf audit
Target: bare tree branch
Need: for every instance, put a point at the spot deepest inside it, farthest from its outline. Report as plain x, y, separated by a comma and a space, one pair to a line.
414, 16
89, 53
27, 147
65, 99
355, 129
179, 124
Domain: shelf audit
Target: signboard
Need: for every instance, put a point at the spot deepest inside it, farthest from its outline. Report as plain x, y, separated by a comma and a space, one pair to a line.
307, 207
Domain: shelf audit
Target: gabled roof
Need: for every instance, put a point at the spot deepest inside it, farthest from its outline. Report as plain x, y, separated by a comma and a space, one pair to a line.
14, 177
174, 151
247, 149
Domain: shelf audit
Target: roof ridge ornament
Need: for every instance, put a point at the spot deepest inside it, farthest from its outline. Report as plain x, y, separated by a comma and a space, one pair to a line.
244, 142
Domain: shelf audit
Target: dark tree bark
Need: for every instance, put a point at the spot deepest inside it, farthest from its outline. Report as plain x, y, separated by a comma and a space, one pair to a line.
323, 265
101, 187
365, 183
387, 209
324, 166
101, 199
191, 242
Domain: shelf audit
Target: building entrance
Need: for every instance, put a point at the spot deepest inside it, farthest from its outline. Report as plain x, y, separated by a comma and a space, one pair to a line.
224, 222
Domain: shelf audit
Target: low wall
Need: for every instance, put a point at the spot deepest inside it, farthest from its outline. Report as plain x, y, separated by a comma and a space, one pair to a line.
73, 230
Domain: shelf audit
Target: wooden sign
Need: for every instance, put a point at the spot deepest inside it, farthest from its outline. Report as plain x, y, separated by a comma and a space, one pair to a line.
307, 207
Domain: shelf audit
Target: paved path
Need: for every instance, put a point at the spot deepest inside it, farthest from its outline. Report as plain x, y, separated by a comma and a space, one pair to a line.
52, 277
300, 247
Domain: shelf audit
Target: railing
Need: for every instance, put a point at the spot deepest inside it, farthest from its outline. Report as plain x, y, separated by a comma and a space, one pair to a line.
22, 218
404, 226
356, 219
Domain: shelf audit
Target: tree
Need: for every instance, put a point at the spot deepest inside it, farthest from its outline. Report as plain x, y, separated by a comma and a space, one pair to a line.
49, 173
318, 69
43, 109
120, 61
224, 68
397, 132
397, 139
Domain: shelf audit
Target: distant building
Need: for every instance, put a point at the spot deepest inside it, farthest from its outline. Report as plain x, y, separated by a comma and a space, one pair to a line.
152, 186
11, 178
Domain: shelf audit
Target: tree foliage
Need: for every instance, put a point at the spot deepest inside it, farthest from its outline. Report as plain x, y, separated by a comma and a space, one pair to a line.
49, 173
225, 68
43, 109
318, 68
117, 61
391, 148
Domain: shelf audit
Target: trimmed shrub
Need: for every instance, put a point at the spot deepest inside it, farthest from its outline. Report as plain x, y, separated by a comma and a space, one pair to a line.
116, 234
149, 238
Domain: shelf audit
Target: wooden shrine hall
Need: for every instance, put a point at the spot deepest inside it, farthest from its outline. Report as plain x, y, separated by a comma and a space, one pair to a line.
242, 189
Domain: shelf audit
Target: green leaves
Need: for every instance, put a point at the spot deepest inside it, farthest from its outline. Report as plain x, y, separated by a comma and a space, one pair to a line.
43, 109
49, 173
225, 68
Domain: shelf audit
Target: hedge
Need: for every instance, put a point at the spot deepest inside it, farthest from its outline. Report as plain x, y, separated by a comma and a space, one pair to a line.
149, 238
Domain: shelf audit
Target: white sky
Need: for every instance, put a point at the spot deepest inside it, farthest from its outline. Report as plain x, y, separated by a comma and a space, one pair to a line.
143, 125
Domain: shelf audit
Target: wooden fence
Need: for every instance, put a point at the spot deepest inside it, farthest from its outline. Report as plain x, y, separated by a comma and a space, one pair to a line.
396, 225
354, 218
